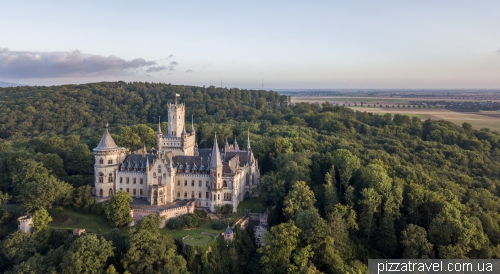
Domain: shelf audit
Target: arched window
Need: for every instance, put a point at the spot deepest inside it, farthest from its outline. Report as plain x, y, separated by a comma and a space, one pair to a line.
100, 192
224, 184
110, 192
101, 161
101, 178
178, 194
110, 178
185, 194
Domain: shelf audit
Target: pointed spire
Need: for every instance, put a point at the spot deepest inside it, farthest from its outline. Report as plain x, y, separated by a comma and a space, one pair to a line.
106, 143
183, 130
248, 142
236, 147
192, 124
159, 126
215, 160
144, 151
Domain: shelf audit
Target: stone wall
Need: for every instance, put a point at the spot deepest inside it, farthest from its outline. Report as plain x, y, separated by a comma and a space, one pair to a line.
164, 215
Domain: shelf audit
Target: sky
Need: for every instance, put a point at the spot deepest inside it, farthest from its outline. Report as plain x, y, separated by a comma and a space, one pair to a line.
247, 44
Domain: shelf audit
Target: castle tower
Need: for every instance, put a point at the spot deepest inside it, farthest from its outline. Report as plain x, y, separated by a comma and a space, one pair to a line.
108, 157
25, 223
176, 115
216, 175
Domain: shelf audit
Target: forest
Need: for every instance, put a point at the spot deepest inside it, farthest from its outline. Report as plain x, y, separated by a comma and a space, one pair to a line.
342, 186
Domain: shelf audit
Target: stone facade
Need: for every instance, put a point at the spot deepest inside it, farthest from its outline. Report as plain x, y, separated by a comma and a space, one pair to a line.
176, 169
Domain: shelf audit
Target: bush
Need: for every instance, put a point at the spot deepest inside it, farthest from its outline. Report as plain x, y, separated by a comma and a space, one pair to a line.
258, 208
183, 222
219, 224
225, 209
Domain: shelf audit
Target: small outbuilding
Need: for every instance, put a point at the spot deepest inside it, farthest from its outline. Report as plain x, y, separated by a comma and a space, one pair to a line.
228, 234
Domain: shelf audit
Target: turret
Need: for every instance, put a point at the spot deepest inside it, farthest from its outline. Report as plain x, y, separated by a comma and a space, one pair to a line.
107, 159
192, 125
159, 135
216, 173
235, 145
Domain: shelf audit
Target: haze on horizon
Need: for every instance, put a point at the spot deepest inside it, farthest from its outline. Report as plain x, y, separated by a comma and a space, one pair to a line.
286, 44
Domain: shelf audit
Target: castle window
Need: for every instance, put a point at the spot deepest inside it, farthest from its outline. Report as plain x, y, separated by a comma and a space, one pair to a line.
192, 183
185, 182
141, 181
159, 181
100, 192
199, 183
154, 174
121, 180
159, 170
110, 178
164, 175
185, 194
199, 195
110, 162
178, 182
224, 184
218, 197
134, 192
134, 181
101, 161
127, 180
207, 184
206, 195
192, 194
128, 191
140, 192
101, 177
121, 188
178, 194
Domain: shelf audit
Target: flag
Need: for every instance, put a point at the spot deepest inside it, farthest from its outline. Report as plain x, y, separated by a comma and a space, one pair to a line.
177, 94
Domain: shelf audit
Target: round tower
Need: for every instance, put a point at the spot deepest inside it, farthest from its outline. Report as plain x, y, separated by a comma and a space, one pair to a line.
108, 157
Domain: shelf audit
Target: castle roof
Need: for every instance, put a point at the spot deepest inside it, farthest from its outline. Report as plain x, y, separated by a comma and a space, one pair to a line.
106, 143
228, 231
215, 160
137, 161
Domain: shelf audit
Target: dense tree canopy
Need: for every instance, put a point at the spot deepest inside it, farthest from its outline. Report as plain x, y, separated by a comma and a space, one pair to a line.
341, 186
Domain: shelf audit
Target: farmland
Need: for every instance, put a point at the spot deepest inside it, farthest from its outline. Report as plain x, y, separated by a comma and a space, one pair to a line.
382, 105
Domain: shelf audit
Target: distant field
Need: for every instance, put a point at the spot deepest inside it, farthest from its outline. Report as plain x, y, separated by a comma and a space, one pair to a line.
372, 100
484, 119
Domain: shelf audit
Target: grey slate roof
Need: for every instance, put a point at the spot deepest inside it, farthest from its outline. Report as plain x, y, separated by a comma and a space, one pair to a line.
106, 143
215, 160
228, 231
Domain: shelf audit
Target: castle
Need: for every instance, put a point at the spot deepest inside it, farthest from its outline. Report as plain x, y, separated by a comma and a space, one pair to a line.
176, 169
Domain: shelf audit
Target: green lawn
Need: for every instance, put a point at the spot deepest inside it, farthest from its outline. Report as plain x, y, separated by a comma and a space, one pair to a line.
247, 203
196, 238
69, 219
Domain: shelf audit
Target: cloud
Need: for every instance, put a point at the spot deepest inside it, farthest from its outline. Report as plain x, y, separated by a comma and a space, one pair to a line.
156, 69
170, 56
172, 65
189, 71
25, 64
